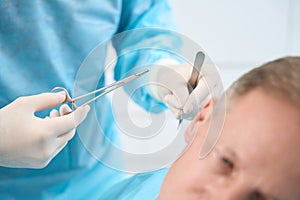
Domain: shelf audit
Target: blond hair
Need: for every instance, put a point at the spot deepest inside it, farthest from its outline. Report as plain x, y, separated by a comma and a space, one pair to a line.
280, 77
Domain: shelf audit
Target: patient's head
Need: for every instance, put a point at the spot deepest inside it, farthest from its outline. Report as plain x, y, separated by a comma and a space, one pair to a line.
257, 154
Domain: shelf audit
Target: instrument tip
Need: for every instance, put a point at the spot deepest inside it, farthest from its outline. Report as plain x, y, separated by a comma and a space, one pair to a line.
142, 73
179, 123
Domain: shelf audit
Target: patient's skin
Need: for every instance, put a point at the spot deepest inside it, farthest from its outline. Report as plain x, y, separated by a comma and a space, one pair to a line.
256, 157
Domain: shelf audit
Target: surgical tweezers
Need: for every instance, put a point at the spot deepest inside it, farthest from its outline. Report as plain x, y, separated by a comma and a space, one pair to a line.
106, 89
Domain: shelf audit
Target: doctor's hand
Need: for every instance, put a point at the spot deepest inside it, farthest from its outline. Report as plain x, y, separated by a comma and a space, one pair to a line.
27, 141
169, 84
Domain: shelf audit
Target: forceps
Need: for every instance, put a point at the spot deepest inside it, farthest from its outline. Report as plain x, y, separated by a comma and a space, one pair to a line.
108, 88
195, 76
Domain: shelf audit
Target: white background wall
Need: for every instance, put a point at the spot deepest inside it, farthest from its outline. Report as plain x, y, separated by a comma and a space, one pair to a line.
239, 35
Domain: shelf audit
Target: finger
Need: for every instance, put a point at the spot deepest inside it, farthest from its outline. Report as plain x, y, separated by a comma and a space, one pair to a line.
172, 101
196, 100
158, 91
63, 124
65, 109
45, 100
178, 97
54, 113
181, 93
176, 112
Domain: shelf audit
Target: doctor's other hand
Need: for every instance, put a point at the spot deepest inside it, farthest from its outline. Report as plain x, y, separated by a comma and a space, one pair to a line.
169, 84
27, 141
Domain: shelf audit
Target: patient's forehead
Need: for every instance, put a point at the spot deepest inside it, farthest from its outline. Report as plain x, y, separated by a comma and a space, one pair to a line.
261, 119
265, 133
262, 112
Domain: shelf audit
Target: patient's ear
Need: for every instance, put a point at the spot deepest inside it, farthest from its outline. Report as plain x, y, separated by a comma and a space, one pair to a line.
205, 111
201, 117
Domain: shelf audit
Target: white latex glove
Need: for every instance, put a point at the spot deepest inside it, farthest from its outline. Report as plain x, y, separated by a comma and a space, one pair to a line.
169, 84
27, 141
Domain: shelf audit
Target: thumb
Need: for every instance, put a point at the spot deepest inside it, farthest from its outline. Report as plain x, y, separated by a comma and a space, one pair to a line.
45, 100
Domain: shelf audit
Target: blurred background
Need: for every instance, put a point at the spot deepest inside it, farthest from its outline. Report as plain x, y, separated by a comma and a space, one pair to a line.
239, 35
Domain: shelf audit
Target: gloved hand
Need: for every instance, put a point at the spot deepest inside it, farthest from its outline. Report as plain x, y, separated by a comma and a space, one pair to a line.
169, 84
27, 141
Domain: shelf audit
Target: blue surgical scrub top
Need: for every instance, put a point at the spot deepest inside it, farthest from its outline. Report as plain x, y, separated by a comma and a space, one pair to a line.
42, 45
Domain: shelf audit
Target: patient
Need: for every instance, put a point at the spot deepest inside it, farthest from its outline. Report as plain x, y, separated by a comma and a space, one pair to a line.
257, 154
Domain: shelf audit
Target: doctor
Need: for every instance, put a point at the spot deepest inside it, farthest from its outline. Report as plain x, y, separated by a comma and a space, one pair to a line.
42, 46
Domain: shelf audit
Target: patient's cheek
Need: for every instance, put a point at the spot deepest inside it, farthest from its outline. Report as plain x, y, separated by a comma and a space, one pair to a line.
191, 132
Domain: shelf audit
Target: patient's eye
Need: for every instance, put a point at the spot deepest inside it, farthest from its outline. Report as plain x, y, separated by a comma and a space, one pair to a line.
227, 164
224, 164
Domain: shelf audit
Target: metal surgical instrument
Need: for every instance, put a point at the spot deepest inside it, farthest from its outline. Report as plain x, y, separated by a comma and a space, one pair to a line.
195, 76
106, 89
